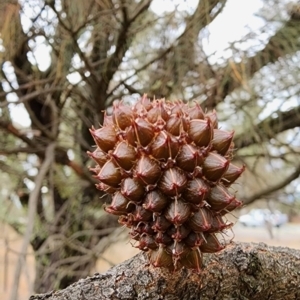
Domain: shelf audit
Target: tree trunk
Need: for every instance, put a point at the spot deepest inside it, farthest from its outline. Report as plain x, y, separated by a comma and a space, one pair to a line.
242, 271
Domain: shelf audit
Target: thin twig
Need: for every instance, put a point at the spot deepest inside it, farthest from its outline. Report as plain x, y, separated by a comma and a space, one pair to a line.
33, 199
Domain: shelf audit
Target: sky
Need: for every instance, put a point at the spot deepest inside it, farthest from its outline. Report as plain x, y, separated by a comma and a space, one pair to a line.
235, 20
233, 25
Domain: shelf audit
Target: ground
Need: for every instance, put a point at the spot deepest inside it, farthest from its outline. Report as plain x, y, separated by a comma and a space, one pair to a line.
10, 243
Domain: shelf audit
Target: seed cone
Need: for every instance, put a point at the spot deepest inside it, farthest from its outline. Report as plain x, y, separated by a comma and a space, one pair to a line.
168, 168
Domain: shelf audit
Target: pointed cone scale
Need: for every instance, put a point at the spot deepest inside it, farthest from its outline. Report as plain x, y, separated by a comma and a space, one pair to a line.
222, 140
119, 205
106, 188
232, 174
147, 170
159, 147
98, 156
119, 202
144, 131
161, 258
159, 125
147, 242
178, 250
173, 146
218, 225
146, 227
178, 233
95, 170
125, 155
201, 220
164, 146
172, 182
177, 108
139, 228
219, 198
193, 260
108, 120
231, 206
131, 189
161, 223
163, 238
213, 118
195, 112
127, 221
144, 104
189, 158
195, 191
134, 235
214, 166
211, 244
174, 124
200, 132
105, 138
178, 212
110, 174
141, 214
130, 136
157, 112
155, 201
122, 115
194, 240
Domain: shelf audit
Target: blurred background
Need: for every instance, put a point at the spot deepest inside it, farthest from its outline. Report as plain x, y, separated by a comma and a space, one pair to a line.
64, 62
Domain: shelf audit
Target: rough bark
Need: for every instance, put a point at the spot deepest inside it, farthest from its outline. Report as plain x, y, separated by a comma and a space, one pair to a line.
242, 271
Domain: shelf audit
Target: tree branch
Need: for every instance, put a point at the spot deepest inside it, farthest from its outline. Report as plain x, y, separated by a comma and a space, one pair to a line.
203, 16
273, 188
242, 271
227, 80
32, 207
181, 55
35, 146
269, 127
9, 127
122, 45
181, 49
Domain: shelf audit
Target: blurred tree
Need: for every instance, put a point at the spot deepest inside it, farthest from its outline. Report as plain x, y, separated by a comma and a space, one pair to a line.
64, 62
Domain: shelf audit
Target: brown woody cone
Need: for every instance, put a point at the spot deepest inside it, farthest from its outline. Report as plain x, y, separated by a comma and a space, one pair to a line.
168, 168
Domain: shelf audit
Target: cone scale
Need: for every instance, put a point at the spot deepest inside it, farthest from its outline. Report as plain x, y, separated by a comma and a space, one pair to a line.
168, 169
